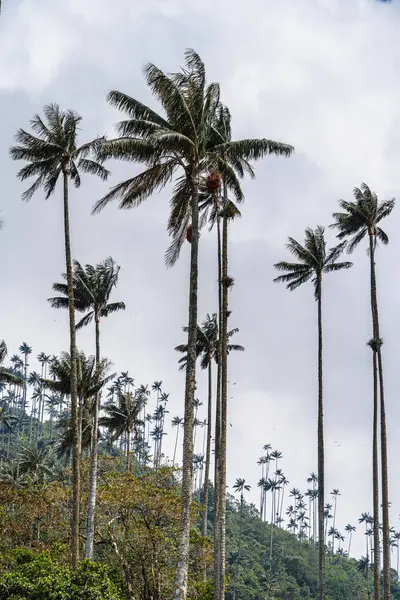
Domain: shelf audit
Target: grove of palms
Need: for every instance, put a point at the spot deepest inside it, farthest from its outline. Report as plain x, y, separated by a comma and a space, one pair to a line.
90, 436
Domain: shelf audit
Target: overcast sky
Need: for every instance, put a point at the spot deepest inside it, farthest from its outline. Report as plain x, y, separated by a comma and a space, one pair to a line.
322, 75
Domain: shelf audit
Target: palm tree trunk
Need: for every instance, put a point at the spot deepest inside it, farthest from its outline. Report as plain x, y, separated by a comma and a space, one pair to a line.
128, 451
94, 455
384, 464
217, 593
176, 444
321, 473
208, 450
74, 390
375, 481
224, 405
181, 575
25, 384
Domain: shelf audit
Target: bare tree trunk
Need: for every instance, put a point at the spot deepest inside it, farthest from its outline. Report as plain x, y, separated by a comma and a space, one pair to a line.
375, 482
94, 454
321, 465
224, 405
74, 390
208, 448
384, 469
208, 455
181, 575
217, 592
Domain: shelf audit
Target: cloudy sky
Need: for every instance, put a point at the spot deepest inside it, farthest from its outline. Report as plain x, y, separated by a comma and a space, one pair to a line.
322, 75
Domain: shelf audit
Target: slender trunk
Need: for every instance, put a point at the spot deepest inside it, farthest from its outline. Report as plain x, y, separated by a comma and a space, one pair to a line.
25, 384
74, 390
94, 454
375, 484
181, 575
321, 474
224, 404
348, 551
385, 488
128, 451
176, 444
208, 450
384, 464
271, 527
218, 409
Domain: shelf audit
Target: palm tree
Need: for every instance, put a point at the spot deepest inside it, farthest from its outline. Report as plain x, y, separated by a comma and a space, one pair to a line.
123, 418
176, 422
207, 350
6, 375
334, 493
358, 220
52, 153
350, 529
185, 140
33, 460
240, 486
313, 262
25, 350
93, 286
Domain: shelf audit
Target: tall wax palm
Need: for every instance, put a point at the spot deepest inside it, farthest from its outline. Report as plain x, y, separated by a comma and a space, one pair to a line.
52, 153
207, 350
123, 417
334, 493
240, 486
314, 261
360, 219
93, 286
176, 422
350, 529
25, 351
88, 382
183, 143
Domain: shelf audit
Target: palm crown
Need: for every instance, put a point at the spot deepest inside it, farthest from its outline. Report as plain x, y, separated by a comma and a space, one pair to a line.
207, 342
88, 383
92, 289
313, 261
361, 217
188, 140
52, 150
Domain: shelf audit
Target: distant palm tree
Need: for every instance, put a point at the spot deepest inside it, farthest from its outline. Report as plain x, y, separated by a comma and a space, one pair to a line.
93, 286
33, 461
334, 493
176, 422
88, 383
240, 486
358, 220
350, 529
51, 152
6, 375
122, 418
25, 351
313, 262
207, 350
